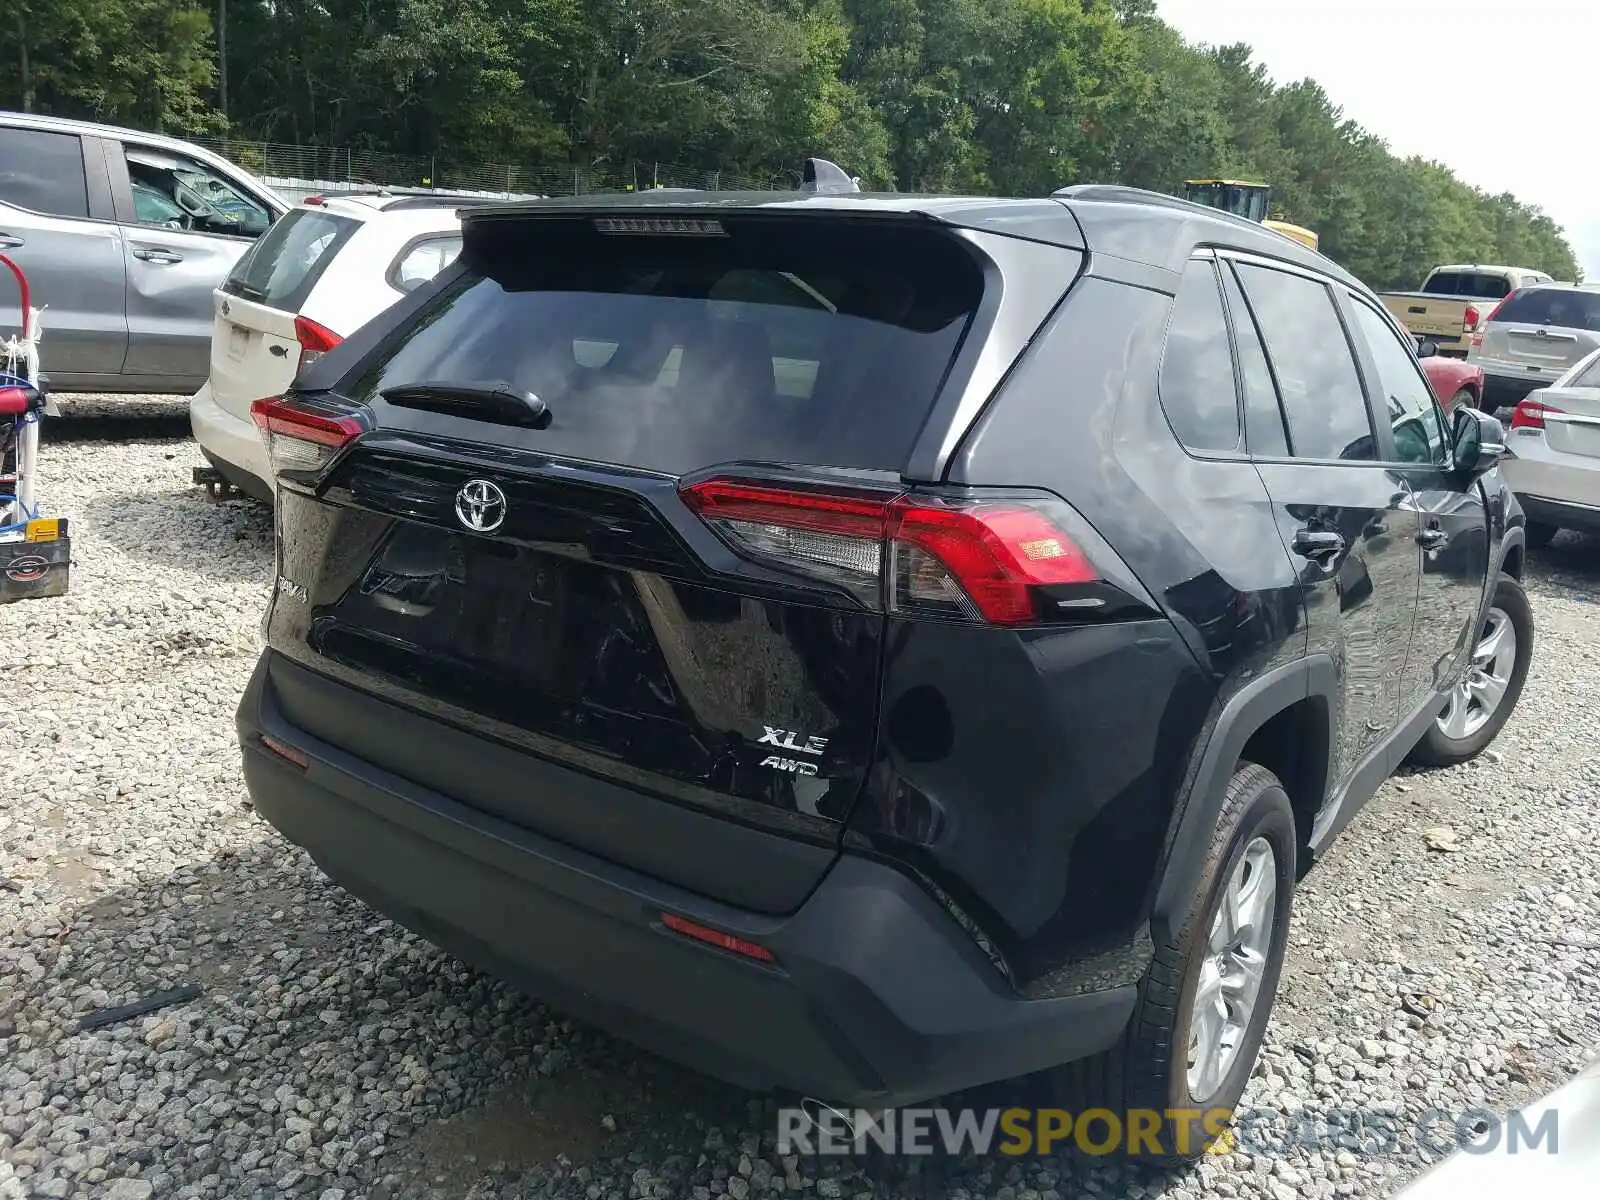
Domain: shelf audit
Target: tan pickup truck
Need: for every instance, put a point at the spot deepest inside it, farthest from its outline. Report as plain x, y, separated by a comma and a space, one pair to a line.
1454, 302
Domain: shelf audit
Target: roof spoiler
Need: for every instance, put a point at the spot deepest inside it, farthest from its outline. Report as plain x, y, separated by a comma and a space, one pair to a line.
827, 179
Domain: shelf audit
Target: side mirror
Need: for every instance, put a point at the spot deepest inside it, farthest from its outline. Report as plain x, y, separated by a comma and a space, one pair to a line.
1427, 348
1477, 441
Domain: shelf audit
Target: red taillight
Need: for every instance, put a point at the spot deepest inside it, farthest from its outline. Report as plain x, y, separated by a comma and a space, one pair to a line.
840, 513
1529, 414
1469, 319
963, 559
315, 340
304, 437
996, 553
715, 937
831, 536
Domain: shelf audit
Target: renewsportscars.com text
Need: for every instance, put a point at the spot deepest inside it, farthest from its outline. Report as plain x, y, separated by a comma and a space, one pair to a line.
1020, 1132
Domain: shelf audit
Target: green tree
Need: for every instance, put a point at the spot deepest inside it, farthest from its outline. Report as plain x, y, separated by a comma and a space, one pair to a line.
147, 63
1008, 96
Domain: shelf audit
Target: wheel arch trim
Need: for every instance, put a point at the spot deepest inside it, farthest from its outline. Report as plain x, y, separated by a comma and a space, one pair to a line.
1241, 716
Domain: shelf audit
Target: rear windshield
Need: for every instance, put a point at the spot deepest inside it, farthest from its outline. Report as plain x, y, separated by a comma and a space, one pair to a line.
285, 263
1552, 306
788, 341
1467, 283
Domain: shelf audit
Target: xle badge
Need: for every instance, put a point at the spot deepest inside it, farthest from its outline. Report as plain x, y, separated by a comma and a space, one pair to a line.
796, 743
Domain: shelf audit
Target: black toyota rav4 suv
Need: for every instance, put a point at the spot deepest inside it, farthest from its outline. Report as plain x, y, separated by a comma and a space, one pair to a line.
872, 646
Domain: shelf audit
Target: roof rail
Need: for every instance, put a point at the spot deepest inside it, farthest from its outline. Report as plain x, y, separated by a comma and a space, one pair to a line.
439, 200
1121, 193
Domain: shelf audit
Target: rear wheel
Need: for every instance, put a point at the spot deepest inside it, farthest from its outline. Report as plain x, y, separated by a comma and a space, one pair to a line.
1463, 399
1486, 695
1539, 534
1204, 1002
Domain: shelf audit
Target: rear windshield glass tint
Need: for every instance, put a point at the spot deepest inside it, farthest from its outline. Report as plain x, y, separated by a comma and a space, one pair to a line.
792, 341
1552, 306
285, 263
1467, 283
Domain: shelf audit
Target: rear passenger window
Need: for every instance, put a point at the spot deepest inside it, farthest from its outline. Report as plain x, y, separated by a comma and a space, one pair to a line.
1196, 382
1316, 373
1264, 434
43, 172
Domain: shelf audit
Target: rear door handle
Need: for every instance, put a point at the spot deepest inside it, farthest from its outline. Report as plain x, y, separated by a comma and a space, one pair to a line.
7, 242
1319, 545
158, 256
1433, 539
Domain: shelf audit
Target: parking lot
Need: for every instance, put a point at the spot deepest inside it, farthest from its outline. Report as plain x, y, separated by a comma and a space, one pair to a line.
1444, 957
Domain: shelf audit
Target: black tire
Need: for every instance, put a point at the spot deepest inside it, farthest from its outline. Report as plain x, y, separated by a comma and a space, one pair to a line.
1463, 399
1437, 750
1539, 534
1148, 1069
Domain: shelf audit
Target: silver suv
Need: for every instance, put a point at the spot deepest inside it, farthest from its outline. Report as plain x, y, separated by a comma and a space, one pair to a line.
1532, 338
124, 236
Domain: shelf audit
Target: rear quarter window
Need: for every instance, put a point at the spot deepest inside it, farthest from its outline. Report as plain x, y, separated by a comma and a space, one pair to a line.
1196, 384
284, 264
805, 341
421, 259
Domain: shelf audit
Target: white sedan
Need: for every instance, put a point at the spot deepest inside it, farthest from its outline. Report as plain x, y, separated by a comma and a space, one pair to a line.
1553, 464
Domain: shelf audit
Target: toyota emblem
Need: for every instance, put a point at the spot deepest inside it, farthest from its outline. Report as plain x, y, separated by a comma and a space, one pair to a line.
480, 506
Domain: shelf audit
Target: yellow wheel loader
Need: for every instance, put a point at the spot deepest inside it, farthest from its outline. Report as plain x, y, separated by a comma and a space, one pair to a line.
1252, 201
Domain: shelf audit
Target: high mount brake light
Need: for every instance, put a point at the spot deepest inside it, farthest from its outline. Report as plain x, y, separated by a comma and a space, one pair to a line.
303, 438
976, 560
1529, 414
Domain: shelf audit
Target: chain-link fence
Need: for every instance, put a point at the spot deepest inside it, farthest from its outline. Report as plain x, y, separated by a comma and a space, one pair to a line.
344, 165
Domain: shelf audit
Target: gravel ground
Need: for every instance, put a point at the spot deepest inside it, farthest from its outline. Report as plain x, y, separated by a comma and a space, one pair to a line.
333, 1055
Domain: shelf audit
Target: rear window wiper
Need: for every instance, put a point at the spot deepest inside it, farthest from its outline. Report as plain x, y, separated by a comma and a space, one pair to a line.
491, 401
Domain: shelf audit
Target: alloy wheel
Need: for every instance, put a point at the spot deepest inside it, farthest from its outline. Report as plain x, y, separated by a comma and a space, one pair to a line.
1477, 697
1235, 962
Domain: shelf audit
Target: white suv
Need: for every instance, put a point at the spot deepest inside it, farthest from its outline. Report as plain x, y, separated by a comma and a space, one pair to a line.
320, 273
